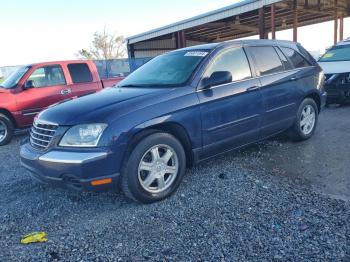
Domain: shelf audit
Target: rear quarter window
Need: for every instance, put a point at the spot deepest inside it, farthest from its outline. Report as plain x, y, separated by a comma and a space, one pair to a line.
80, 73
295, 58
287, 65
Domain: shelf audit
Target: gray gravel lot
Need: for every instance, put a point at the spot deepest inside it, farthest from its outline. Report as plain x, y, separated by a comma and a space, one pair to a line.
275, 201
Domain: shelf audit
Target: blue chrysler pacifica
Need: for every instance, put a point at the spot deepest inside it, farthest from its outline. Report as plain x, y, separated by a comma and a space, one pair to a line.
176, 110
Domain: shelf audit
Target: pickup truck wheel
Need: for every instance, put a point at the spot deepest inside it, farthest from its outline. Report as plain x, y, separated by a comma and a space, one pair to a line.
6, 130
306, 121
154, 168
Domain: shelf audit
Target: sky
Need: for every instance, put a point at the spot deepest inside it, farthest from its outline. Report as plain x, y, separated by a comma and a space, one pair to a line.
41, 30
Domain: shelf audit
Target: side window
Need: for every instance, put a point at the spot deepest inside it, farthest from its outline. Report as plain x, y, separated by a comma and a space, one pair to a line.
296, 59
80, 73
286, 64
266, 60
233, 61
48, 76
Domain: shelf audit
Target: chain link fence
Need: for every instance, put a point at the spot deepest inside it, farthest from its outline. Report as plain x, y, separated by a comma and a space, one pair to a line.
118, 67
106, 68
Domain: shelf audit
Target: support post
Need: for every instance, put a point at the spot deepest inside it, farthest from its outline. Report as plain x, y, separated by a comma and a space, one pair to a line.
341, 27
180, 39
131, 57
335, 22
295, 22
273, 21
261, 23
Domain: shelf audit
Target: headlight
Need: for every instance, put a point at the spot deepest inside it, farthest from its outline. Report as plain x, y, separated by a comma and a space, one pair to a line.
83, 135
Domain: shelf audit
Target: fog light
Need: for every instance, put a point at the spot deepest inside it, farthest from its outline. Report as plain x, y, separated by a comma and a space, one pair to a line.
101, 182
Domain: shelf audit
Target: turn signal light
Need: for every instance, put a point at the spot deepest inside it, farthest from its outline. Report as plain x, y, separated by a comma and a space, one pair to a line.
101, 182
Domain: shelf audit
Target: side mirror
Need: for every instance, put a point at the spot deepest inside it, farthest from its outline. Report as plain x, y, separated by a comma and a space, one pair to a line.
217, 78
28, 84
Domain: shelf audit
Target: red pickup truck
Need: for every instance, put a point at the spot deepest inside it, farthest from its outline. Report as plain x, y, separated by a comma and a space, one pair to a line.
34, 87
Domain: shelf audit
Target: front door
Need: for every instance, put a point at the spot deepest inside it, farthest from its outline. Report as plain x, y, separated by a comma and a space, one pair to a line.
230, 112
49, 87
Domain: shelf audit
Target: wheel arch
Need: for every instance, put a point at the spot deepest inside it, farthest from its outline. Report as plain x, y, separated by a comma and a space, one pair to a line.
316, 97
9, 115
173, 128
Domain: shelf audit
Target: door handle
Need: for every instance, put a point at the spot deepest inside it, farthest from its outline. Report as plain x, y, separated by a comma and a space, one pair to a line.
66, 91
294, 78
253, 88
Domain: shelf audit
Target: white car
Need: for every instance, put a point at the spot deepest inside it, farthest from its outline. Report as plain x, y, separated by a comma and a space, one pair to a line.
336, 66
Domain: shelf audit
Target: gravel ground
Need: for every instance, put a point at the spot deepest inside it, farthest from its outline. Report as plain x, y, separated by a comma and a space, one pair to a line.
233, 208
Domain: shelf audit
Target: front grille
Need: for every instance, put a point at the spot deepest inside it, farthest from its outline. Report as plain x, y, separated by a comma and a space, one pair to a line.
41, 134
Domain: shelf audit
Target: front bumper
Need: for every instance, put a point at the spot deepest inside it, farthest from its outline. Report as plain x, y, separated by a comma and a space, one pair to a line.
338, 94
71, 169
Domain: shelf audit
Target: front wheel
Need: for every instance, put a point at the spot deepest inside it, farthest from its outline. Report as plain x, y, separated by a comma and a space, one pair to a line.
306, 121
154, 168
6, 130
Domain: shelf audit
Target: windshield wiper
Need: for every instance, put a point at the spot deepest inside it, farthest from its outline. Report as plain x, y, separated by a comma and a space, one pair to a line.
150, 85
131, 85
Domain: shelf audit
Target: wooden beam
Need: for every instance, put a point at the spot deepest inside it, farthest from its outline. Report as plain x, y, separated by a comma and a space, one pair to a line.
213, 25
313, 11
229, 28
244, 28
219, 25
273, 22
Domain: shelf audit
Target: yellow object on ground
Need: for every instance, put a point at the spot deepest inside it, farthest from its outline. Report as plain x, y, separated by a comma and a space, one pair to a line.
35, 237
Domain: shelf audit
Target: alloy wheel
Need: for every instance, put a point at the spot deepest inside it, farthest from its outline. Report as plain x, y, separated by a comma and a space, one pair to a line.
307, 119
158, 168
3, 131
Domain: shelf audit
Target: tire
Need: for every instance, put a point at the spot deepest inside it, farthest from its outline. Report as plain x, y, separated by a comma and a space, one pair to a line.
300, 132
134, 176
6, 130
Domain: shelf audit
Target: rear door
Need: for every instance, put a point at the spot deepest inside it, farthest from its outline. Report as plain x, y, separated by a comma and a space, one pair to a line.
278, 88
83, 80
306, 73
49, 88
230, 112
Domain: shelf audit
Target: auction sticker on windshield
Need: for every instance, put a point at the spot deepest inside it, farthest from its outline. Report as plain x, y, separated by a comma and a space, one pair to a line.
196, 53
328, 55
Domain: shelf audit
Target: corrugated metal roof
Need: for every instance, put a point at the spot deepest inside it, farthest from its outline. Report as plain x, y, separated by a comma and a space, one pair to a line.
225, 12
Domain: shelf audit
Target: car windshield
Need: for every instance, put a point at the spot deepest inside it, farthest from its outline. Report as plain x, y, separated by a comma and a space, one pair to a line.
337, 53
13, 79
172, 69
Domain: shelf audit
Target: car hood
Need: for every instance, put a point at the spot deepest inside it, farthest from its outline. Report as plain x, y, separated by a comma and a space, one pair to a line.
4, 90
335, 67
104, 106
6, 97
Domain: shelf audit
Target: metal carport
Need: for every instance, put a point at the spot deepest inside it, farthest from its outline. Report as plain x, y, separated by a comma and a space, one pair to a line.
246, 18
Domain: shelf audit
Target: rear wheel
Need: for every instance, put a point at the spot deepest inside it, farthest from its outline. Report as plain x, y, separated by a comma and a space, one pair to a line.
6, 130
154, 168
306, 121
